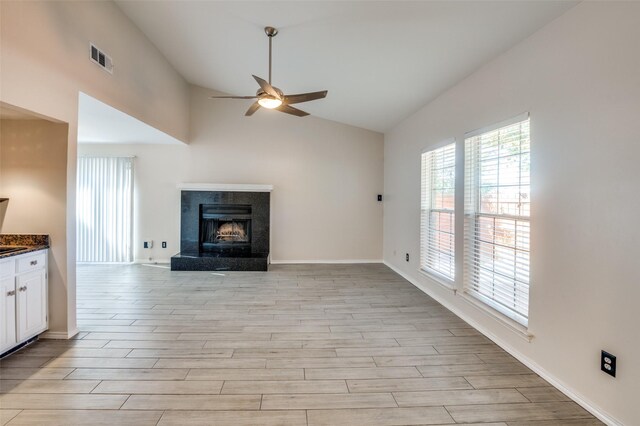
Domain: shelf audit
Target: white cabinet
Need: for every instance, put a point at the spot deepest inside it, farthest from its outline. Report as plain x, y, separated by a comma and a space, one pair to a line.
7, 313
31, 304
23, 298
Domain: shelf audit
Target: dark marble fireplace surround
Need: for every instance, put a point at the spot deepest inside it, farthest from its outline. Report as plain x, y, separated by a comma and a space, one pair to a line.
251, 209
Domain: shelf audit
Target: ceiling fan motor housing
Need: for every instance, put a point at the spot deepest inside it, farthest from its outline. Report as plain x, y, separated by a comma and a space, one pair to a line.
260, 93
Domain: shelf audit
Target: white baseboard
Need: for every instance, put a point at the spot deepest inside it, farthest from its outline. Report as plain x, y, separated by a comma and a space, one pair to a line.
561, 386
158, 261
59, 335
327, 262
157, 265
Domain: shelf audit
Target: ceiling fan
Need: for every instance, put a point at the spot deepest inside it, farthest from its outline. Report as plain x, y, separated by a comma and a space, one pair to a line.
271, 97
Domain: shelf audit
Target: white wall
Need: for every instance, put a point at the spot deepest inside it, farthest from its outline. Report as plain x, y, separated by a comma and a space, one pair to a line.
44, 64
579, 77
33, 175
326, 177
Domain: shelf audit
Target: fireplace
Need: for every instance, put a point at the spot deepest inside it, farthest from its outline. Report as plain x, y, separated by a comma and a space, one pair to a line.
223, 231
225, 227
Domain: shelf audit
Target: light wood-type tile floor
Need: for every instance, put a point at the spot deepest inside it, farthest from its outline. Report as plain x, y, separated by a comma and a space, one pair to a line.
298, 345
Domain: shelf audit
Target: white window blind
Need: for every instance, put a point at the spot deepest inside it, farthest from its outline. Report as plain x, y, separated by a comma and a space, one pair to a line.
437, 227
497, 224
104, 207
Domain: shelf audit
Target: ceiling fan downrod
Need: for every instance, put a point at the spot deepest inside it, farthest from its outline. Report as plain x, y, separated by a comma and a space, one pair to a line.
271, 32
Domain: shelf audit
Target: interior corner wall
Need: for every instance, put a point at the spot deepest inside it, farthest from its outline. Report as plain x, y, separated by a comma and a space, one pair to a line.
33, 175
44, 64
579, 77
326, 179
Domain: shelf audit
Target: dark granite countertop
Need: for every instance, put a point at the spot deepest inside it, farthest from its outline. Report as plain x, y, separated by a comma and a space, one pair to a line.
27, 242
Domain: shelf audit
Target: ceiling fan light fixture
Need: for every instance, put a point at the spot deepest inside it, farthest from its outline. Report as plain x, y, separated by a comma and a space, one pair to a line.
269, 102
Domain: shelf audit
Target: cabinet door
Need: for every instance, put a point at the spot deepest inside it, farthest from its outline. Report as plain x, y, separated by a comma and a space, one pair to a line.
7, 313
32, 304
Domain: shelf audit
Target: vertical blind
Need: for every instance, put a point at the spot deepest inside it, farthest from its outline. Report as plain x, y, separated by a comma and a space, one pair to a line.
497, 222
437, 227
104, 209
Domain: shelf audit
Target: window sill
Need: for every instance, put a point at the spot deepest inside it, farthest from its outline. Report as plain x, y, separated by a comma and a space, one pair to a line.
519, 329
444, 282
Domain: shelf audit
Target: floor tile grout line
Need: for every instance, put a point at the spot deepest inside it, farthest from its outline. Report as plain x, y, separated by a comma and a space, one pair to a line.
160, 418
14, 417
125, 401
469, 382
523, 395
95, 387
449, 413
70, 372
394, 399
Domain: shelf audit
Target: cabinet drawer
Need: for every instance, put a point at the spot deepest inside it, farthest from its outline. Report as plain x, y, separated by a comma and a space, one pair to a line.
7, 268
31, 262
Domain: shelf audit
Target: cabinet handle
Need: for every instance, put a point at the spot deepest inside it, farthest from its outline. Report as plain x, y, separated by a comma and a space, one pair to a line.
23, 288
34, 262
11, 293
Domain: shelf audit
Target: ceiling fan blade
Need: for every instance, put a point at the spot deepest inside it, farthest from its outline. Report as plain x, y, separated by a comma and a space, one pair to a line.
291, 110
304, 97
232, 97
253, 108
268, 89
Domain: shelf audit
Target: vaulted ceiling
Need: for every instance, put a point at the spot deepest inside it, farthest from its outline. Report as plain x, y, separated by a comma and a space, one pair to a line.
380, 61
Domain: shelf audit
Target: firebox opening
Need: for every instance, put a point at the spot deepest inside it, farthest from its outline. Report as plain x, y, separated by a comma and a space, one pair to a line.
225, 227
231, 231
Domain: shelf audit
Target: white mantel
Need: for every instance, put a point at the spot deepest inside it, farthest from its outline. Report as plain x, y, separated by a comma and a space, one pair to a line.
230, 187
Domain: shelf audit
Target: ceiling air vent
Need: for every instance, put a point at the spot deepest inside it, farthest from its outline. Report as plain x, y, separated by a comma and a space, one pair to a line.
101, 58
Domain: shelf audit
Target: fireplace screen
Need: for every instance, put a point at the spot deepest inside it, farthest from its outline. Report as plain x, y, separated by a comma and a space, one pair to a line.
224, 226
221, 231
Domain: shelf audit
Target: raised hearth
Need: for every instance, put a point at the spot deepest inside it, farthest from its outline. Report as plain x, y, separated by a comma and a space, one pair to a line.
223, 231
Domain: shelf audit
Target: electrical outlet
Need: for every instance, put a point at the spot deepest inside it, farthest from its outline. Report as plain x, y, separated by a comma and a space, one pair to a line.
164, 244
379, 197
608, 363
406, 257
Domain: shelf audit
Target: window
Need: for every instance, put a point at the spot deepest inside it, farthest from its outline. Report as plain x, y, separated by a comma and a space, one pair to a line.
497, 223
104, 209
437, 228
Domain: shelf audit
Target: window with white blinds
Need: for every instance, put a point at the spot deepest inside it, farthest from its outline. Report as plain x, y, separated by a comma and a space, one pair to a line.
497, 222
437, 227
104, 209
